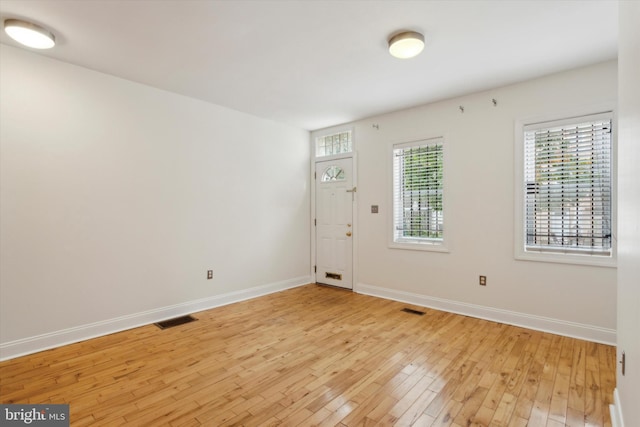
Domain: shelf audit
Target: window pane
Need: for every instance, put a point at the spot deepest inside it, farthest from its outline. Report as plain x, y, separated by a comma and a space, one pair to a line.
334, 144
418, 213
332, 173
568, 188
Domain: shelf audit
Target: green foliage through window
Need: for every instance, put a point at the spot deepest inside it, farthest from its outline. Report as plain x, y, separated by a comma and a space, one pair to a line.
418, 184
568, 187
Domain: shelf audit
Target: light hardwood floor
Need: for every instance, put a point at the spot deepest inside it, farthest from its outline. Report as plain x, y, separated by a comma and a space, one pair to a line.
321, 356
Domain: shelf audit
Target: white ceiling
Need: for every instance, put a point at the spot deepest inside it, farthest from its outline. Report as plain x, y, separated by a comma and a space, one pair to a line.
314, 64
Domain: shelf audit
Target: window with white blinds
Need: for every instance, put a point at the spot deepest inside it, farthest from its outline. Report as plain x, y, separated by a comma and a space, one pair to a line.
568, 186
417, 192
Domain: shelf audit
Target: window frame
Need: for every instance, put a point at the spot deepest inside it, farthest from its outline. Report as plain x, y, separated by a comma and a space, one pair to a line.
419, 244
568, 257
334, 131
334, 178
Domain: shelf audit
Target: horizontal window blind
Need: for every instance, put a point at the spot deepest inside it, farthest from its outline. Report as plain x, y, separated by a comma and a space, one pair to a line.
417, 191
568, 187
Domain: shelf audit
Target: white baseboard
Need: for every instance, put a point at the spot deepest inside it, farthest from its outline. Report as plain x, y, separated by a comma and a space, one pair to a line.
49, 340
616, 411
539, 323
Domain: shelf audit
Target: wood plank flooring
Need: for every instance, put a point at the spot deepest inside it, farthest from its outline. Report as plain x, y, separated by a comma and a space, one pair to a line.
321, 356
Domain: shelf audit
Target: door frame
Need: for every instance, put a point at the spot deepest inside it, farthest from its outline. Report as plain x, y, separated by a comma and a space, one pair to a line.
354, 248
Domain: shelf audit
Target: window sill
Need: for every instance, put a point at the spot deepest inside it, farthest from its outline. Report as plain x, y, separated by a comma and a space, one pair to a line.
587, 260
422, 246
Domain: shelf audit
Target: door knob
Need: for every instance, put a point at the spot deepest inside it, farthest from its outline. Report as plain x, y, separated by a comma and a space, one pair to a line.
348, 234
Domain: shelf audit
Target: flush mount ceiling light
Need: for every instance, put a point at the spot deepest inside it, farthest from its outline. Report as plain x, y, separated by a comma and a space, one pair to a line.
406, 44
29, 34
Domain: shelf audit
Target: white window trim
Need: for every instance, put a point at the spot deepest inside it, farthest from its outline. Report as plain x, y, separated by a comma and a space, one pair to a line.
421, 245
519, 232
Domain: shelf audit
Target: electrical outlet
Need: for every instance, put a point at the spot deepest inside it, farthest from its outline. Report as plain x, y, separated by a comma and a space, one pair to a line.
209, 274
483, 280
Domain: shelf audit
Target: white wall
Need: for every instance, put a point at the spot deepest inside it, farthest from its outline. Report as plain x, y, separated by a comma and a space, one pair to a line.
628, 386
117, 197
479, 211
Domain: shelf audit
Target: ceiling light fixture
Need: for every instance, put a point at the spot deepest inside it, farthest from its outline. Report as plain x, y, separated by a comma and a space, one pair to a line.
406, 44
29, 34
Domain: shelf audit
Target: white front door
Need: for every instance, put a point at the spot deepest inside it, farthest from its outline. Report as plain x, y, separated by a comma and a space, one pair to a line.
335, 196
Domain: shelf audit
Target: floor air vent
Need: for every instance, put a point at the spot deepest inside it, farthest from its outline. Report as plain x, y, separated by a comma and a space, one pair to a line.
175, 322
409, 310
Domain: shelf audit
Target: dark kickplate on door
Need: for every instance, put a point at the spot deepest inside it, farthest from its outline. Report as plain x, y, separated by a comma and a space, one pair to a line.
175, 322
412, 311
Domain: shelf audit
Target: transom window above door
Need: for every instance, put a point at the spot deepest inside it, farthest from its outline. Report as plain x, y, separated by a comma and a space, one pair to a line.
337, 143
